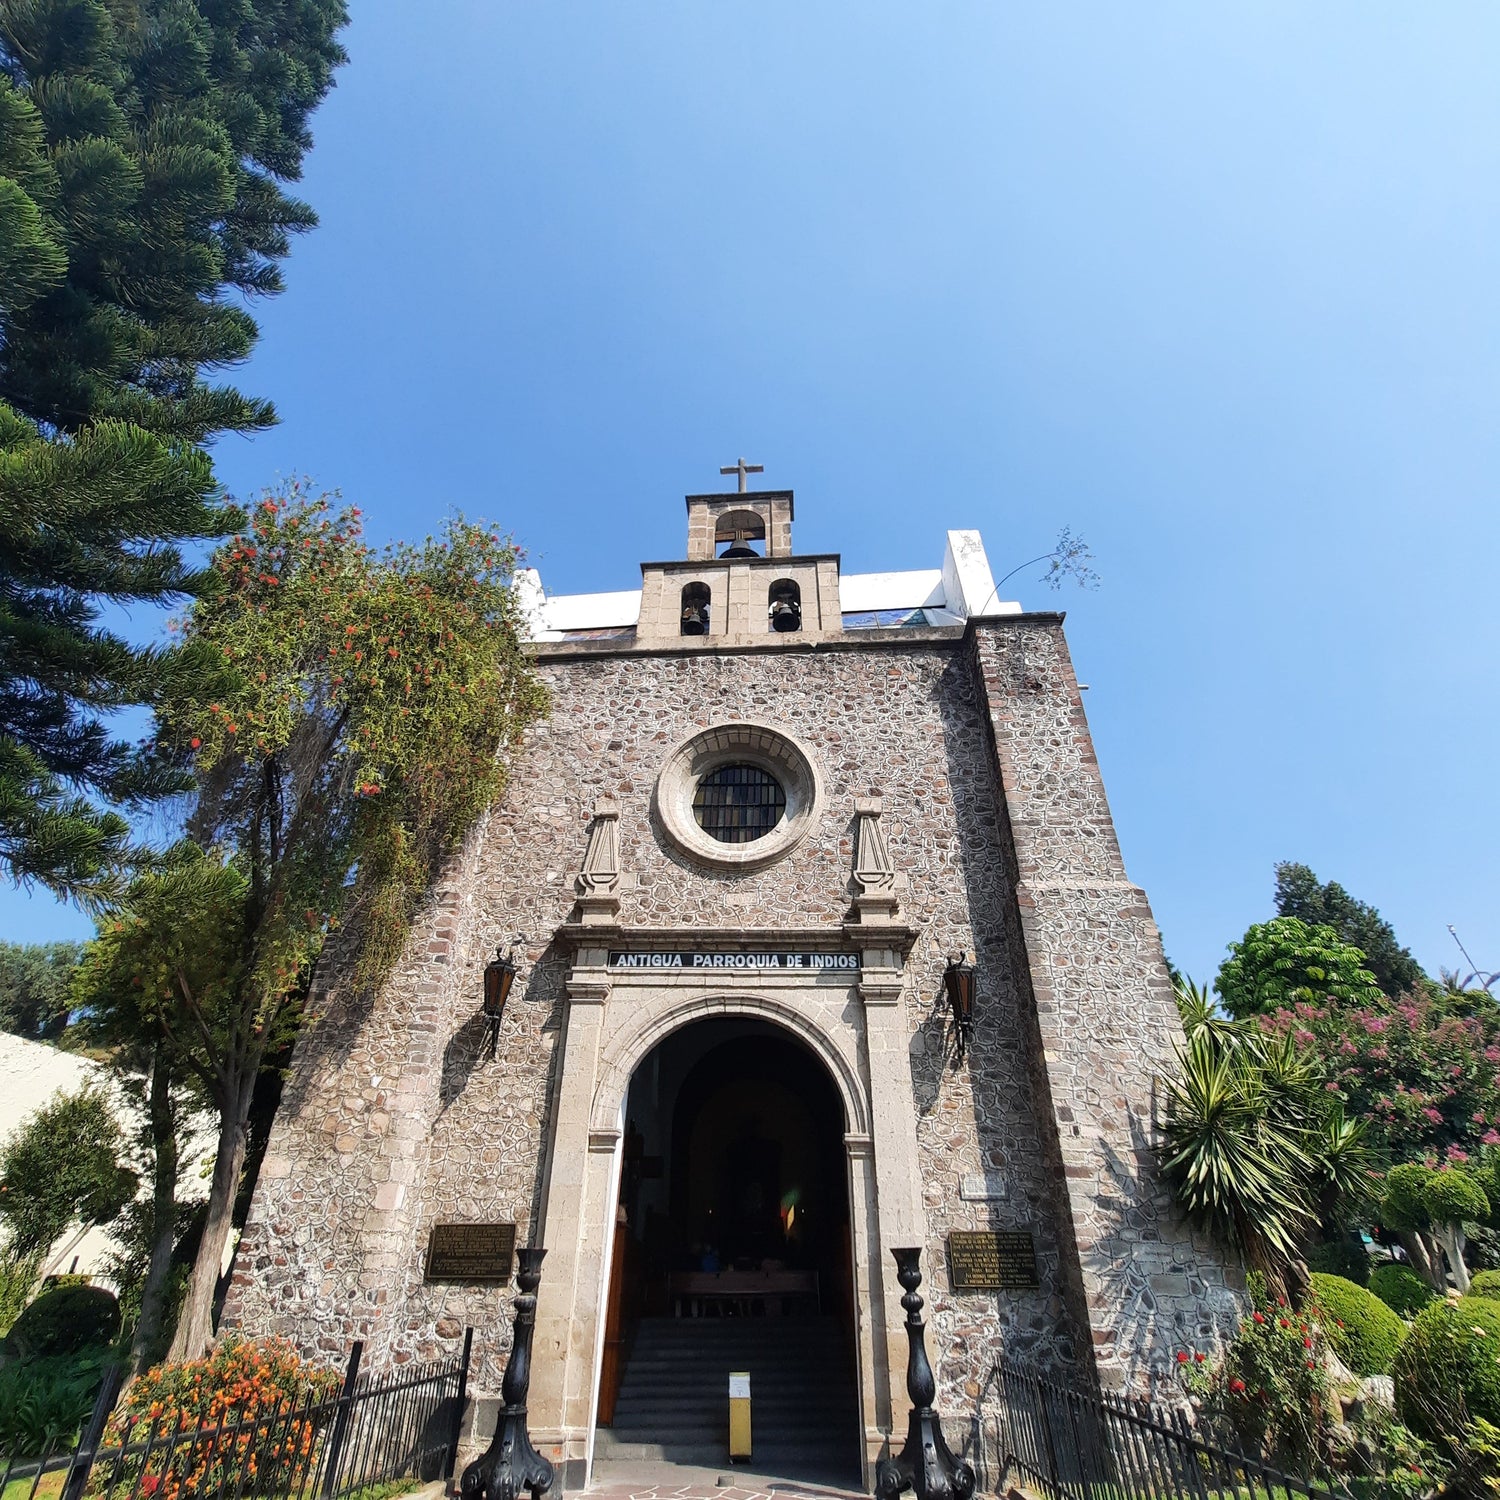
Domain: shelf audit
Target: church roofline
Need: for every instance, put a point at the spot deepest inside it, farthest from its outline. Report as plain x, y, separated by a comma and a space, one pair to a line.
875, 638
687, 565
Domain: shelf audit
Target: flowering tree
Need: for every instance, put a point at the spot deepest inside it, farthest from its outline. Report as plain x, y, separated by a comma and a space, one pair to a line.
347, 713
1423, 1069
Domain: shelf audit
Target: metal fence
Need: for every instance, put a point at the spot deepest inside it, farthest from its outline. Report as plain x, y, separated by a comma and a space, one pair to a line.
375, 1429
1072, 1445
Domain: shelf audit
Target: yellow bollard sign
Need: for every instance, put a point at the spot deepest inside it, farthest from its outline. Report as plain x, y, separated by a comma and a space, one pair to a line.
739, 1414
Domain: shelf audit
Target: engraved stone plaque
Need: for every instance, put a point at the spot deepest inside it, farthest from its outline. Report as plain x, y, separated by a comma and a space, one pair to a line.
992, 1260
470, 1252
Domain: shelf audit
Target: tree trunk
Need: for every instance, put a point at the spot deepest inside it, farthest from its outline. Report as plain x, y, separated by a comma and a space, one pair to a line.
1423, 1261
143, 1347
195, 1325
1452, 1236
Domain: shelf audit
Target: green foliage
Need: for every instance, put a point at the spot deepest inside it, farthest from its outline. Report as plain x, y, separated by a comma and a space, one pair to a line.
1254, 1147
1364, 1332
1452, 1196
1298, 894
143, 149
18, 1275
351, 720
1447, 1372
1423, 1070
1341, 1257
349, 714
1284, 962
65, 1320
1419, 1197
1486, 1284
63, 1166
34, 981
44, 1404
1403, 1203
1401, 1289
1271, 1389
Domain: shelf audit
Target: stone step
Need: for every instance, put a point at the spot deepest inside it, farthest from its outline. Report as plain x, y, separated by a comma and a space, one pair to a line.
673, 1404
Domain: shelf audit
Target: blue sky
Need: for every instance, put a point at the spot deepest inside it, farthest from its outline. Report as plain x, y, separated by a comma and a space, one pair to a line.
1217, 286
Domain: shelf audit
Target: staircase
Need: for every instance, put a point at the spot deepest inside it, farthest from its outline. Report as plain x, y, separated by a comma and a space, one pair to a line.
674, 1396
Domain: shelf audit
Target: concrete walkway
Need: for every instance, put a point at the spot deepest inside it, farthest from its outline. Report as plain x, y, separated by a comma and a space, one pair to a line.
658, 1481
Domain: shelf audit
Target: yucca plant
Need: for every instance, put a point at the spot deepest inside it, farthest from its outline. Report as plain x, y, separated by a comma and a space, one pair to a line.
1235, 1166
1254, 1148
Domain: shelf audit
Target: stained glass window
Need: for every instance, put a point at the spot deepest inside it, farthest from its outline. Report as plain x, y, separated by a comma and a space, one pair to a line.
738, 804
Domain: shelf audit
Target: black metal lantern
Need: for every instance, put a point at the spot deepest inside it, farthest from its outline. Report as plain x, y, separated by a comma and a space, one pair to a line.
499, 975
958, 981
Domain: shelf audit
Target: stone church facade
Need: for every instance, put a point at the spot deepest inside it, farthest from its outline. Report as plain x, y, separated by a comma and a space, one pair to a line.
768, 805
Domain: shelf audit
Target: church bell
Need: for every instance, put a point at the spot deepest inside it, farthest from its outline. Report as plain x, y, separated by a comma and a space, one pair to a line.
786, 614
694, 619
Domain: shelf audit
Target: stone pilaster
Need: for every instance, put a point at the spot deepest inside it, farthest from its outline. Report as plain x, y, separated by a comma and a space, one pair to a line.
572, 1231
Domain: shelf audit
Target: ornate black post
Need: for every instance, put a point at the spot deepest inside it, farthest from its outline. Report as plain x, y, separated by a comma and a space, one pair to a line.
510, 1466
924, 1465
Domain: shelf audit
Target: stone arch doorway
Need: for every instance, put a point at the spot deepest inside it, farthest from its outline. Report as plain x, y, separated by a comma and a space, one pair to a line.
732, 1250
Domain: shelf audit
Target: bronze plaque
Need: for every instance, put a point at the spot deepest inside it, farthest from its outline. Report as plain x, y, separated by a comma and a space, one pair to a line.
470, 1252
992, 1260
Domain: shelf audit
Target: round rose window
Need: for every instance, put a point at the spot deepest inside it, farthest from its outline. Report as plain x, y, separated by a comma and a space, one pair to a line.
738, 804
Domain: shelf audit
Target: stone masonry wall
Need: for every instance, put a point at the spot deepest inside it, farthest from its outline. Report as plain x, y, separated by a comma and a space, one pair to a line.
391, 1121
1103, 1020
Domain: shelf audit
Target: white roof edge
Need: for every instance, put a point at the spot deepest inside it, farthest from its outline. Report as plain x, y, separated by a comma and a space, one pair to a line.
961, 588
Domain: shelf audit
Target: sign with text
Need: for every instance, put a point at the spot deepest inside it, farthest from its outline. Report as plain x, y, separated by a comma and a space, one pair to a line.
690, 958
992, 1260
470, 1252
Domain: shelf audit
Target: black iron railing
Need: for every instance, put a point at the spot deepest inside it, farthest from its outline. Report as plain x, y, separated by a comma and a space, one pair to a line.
376, 1428
1069, 1444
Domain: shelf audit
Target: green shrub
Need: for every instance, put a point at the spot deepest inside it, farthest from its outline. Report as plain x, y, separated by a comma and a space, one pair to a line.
1364, 1332
1347, 1258
1448, 1369
1401, 1289
1485, 1284
44, 1404
64, 1320
1271, 1393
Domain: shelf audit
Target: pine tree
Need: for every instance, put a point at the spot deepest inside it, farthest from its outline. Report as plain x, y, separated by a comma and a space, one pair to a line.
1298, 894
143, 149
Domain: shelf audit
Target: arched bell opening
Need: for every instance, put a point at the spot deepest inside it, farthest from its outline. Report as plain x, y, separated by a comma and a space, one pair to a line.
741, 533
733, 1252
784, 605
696, 601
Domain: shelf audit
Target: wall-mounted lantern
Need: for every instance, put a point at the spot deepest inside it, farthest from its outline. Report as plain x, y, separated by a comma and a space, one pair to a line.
958, 981
499, 975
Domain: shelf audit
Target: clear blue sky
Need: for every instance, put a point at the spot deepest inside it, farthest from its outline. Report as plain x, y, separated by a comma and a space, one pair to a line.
1218, 286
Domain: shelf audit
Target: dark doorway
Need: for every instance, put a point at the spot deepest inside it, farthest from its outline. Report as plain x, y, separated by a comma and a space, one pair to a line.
732, 1252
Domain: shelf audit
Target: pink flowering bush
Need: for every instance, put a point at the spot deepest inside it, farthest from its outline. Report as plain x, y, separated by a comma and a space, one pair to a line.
1423, 1069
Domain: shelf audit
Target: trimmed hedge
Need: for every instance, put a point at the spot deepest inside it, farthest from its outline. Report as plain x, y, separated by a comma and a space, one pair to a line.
1447, 1373
1485, 1284
1347, 1258
64, 1320
1401, 1289
1364, 1332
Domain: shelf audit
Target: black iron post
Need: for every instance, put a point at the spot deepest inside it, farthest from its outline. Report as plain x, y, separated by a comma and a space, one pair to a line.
510, 1466
924, 1465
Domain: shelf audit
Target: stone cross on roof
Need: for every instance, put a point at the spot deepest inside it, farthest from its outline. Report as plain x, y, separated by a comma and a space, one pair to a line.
742, 469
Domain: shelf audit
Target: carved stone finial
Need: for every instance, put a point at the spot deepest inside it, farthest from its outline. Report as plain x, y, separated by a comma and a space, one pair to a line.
598, 882
874, 875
